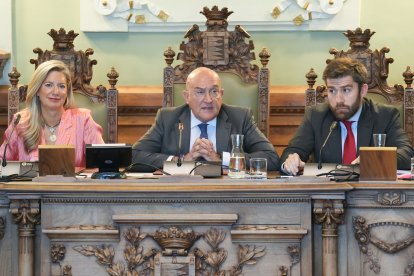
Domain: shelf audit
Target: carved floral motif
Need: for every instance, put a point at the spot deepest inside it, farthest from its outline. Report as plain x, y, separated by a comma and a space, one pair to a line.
57, 252
25, 215
209, 263
206, 263
364, 238
134, 255
329, 214
409, 270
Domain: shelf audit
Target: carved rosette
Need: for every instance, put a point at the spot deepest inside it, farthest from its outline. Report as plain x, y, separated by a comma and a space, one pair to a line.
57, 253
2, 227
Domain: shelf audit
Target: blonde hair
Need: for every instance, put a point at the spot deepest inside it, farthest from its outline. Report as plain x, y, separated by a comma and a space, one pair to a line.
32, 114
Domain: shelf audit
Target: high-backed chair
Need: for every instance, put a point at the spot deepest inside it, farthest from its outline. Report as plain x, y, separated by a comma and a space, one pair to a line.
227, 53
101, 101
378, 68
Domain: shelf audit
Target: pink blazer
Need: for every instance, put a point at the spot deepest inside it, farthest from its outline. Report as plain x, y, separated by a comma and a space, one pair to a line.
76, 128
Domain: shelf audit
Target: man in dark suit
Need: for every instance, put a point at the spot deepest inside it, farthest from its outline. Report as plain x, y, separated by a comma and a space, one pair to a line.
204, 105
346, 88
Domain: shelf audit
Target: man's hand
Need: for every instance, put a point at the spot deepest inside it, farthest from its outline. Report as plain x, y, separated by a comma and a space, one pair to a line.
356, 161
293, 164
202, 148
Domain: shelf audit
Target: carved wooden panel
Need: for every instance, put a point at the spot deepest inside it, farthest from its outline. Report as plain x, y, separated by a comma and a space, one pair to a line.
222, 51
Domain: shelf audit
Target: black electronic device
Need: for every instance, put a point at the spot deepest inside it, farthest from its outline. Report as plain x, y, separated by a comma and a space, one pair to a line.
108, 158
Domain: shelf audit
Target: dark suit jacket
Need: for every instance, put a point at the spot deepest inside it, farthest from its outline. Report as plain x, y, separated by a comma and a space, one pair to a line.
161, 140
375, 118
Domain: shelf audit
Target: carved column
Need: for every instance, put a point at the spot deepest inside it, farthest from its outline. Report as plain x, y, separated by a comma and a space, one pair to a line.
26, 214
330, 214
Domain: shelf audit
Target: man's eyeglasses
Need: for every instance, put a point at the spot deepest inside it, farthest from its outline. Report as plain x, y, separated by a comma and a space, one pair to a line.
201, 93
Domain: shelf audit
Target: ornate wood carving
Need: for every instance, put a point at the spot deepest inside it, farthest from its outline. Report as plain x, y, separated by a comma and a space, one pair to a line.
363, 235
222, 51
134, 255
2, 227
26, 214
409, 270
57, 252
392, 198
283, 271
329, 213
294, 255
57, 255
209, 263
175, 243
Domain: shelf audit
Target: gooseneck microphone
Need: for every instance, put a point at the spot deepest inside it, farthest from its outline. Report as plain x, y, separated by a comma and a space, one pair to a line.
331, 128
180, 129
16, 121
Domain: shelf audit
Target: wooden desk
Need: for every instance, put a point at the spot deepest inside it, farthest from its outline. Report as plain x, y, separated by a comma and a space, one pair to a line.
278, 227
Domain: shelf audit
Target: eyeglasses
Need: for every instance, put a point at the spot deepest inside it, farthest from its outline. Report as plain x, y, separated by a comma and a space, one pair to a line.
201, 93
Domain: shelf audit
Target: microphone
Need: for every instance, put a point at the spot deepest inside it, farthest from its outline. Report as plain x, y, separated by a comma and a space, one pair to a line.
331, 128
16, 121
180, 129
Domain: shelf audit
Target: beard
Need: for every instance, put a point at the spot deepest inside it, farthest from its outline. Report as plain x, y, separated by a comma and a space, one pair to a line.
344, 112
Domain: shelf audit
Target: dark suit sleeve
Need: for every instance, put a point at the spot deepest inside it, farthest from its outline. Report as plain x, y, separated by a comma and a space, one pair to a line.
257, 145
148, 150
303, 142
396, 137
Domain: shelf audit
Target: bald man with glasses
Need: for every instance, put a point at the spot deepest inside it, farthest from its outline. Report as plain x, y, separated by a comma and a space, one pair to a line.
205, 124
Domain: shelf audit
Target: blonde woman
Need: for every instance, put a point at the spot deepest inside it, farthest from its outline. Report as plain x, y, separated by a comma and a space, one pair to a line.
50, 117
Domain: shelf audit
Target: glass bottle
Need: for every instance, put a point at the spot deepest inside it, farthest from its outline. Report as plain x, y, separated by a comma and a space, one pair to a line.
237, 166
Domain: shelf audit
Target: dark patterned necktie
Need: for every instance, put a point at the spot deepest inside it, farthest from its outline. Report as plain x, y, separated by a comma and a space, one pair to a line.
203, 129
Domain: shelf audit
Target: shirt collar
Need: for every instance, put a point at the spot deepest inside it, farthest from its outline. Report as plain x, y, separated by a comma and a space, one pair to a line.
195, 122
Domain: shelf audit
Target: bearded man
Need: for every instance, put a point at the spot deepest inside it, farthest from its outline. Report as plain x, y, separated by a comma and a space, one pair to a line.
357, 119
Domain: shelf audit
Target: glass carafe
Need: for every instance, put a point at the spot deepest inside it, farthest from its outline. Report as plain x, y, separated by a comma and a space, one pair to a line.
237, 166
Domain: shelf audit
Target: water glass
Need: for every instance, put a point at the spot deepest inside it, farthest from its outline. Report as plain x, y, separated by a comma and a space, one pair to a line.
379, 139
258, 168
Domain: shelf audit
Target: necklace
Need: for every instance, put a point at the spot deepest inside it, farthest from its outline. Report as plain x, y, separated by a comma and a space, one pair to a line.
52, 129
